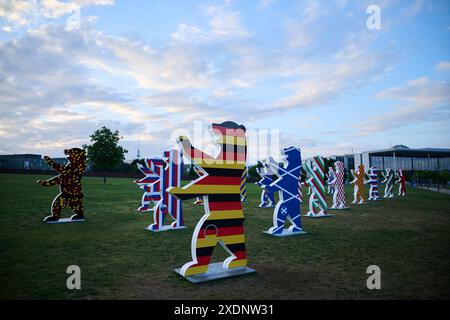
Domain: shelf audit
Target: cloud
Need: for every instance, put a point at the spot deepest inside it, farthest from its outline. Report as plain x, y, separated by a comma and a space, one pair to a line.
415, 8
443, 66
17, 11
181, 76
7, 29
312, 145
266, 3
22, 13
87, 49
224, 24
419, 101
421, 92
311, 10
57, 86
301, 29
320, 83
341, 3
53, 83
186, 33
47, 91
167, 69
297, 34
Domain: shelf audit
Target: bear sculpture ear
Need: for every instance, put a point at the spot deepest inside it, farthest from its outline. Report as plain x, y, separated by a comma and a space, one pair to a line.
230, 125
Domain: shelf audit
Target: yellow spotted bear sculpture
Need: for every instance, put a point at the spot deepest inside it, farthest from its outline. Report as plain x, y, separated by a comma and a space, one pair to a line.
219, 185
69, 180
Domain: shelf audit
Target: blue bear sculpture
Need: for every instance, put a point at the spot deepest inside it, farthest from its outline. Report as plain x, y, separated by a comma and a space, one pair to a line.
287, 185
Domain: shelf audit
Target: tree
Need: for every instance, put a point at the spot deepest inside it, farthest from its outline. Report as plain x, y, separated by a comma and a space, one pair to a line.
328, 162
191, 174
252, 173
132, 167
105, 153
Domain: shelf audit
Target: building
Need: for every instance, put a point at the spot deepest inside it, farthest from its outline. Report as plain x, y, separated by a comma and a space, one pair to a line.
27, 162
400, 157
347, 159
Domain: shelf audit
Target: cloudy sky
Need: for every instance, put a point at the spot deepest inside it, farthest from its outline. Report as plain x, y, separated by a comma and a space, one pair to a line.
311, 70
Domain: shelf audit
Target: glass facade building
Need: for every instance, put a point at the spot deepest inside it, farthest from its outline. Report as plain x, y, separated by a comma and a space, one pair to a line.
399, 157
27, 162
427, 159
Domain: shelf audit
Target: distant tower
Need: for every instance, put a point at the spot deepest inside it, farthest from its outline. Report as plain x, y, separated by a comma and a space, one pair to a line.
138, 155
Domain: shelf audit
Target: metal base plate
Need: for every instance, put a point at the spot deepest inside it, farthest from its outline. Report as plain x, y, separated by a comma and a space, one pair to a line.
319, 216
65, 220
215, 272
165, 228
285, 233
345, 208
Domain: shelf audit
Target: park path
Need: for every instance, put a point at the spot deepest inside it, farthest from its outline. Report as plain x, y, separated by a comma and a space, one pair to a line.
441, 190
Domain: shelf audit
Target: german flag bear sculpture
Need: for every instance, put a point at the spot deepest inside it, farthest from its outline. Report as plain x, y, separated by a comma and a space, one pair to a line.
219, 185
69, 181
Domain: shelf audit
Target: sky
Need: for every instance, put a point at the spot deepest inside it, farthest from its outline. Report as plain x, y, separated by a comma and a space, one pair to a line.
310, 74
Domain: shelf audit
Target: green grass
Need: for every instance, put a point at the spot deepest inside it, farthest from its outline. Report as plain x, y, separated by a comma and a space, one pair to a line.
409, 238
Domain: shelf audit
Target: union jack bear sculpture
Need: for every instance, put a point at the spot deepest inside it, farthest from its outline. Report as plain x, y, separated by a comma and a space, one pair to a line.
152, 172
161, 174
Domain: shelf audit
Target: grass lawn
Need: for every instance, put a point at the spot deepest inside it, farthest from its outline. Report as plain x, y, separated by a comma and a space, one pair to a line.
408, 237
